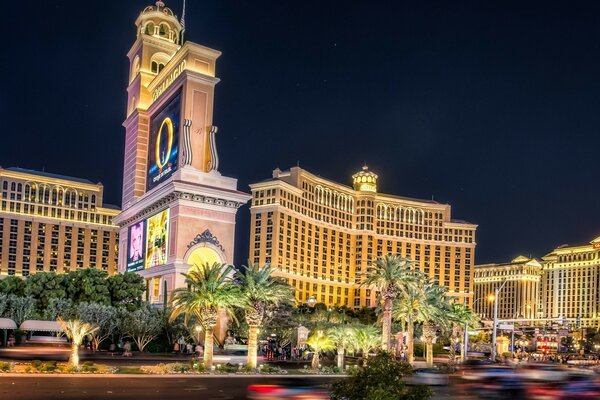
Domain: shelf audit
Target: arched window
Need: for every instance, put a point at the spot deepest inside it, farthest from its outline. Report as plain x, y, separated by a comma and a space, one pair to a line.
163, 30
150, 28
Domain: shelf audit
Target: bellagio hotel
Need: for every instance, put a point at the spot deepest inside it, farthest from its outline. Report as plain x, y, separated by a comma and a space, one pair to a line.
51, 222
322, 236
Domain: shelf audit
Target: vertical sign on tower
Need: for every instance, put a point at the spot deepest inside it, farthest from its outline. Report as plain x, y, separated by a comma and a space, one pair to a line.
163, 149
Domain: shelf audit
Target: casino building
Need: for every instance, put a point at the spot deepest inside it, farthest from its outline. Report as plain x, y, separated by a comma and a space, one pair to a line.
322, 236
54, 223
178, 210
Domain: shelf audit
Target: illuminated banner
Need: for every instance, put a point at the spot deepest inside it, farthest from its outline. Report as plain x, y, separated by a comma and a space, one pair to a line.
136, 249
157, 239
163, 149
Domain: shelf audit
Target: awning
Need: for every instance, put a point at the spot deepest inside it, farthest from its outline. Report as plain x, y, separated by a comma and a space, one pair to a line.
7, 323
40, 326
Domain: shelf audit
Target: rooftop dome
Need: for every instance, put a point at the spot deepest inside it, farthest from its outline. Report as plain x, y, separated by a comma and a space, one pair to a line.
365, 180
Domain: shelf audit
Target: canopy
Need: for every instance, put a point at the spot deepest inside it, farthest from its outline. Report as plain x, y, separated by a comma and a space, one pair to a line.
7, 323
40, 326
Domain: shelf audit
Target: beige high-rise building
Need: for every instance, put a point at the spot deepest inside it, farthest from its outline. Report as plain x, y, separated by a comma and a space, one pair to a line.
322, 235
571, 284
51, 222
520, 296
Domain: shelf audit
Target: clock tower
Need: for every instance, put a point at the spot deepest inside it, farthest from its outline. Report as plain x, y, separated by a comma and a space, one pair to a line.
178, 210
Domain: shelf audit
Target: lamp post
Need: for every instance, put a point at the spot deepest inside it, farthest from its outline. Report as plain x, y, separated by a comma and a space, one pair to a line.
495, 327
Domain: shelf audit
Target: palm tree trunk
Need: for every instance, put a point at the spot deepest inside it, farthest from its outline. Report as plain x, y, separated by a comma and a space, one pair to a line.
315, 359
74, 360
208, 347
387, 324
252, 345
410, 345
429, 356
340, 358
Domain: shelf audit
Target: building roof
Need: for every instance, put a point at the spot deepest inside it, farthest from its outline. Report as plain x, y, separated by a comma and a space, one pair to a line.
40, 326
49, 175
111, 206
7, 323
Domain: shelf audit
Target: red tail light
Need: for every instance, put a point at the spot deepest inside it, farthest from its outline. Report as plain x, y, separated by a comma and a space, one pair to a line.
265, 389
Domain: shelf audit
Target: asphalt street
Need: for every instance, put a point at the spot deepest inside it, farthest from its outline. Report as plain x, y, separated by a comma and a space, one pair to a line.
45, 387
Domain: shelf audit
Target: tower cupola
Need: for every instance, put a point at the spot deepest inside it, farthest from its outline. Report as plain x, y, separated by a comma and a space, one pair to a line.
160, 22
365, 180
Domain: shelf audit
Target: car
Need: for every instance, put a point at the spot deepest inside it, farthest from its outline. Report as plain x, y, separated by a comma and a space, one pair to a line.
427, 376
289, 391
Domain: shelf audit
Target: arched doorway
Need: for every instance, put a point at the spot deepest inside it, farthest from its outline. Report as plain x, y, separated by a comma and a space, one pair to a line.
203, 254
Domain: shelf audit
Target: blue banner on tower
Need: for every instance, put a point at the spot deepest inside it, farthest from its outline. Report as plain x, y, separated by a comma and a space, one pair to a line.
163, 149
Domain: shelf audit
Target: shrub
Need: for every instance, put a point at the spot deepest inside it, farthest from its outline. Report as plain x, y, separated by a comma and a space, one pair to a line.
48, 366
227, 368
330, 370
5, 367
271, 369
129, 370
380, 379
88, 367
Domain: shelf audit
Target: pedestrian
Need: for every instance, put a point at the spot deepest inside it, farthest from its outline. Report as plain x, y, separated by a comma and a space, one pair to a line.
200, 351
188, 349
176, 348
127, 349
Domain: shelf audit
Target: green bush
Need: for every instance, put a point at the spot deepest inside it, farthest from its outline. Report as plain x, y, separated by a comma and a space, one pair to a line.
88, 367
48, 366
330, 370
5, 367
227, 368
129, 370
270, 369
380, 379
419, 352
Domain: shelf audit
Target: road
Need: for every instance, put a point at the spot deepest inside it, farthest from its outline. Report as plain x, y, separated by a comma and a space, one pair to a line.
48, 387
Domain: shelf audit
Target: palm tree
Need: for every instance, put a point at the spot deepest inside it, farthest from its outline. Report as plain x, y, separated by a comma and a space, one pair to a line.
391, 275
459, 315
423, 302
209, 289
76, 330
319, 341
367, 338
259, 289
343, 338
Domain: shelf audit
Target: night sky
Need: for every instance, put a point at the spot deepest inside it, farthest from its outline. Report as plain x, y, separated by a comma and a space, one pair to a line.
492, 108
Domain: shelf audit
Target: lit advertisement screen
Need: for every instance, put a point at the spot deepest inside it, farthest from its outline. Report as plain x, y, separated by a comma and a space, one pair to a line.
157, 239
163, 149
136, 249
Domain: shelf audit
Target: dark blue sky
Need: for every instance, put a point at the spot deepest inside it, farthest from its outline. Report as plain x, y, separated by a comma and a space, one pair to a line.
493, 108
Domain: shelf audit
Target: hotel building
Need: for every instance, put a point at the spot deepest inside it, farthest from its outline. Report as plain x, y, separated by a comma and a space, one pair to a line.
322, 236
56, 223
520, 296
178, 210
571, 284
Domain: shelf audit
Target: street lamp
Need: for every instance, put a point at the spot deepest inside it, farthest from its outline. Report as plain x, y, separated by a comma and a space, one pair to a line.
496, 291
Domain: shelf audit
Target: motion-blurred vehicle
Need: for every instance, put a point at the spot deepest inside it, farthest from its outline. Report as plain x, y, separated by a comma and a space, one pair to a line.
427, 376
296, 389
545, 372
579, 385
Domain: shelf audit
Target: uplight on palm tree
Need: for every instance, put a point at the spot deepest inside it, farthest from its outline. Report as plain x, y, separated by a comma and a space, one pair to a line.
76, 330
319, 341
391, 275
259, 289
209, 290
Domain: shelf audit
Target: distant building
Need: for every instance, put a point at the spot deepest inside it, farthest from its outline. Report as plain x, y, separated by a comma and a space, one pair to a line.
563, 287
57, 223
322, 236
519, 298
571, 284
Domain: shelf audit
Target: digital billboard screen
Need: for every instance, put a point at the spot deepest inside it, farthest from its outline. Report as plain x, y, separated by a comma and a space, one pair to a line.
136, 249
157, 235
163, 146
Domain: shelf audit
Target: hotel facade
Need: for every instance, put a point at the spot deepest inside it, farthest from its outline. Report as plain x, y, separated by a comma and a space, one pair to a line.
54, 223
322, 236
562, 287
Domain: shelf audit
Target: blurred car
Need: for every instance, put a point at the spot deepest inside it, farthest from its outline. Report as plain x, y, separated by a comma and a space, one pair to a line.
577, 386
545, 372
427, 376
484, 372
290, 390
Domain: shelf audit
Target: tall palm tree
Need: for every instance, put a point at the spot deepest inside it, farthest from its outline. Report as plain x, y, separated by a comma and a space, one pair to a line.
459, 315
367, 338
319, 341
391, 275
76, 330
343, 337
422, 303
209, 289
259, 289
